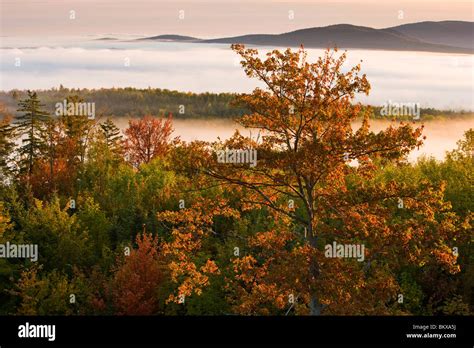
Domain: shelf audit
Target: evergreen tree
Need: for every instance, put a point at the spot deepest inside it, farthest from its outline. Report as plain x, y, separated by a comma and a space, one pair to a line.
50, 137
113, 138
28, 126
7, 143
77, 129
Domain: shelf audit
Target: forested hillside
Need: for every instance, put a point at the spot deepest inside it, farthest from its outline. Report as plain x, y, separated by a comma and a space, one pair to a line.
134, 102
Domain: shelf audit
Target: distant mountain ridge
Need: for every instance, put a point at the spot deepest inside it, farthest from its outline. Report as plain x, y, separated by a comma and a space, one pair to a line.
445, 36
452, 33
172, 38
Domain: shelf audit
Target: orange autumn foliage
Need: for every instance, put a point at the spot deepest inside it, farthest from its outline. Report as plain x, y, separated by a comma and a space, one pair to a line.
147, 138
190, 226
310, 154
137, 278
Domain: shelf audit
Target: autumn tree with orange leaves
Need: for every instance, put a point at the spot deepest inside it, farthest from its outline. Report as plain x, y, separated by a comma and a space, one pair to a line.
137, 277
317, 174
189, 227
147, 138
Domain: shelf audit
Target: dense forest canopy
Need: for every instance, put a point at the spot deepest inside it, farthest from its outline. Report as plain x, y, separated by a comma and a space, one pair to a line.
140, 223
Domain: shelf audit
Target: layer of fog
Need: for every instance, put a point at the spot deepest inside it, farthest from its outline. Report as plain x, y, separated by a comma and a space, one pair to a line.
438, 80
441, 135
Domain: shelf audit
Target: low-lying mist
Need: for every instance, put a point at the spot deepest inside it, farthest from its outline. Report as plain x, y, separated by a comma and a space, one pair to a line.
441, 135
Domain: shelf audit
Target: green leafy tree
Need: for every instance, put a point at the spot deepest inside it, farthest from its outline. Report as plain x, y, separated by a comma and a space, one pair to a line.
63, 242
51, 293
92, 219
29, 125
78, 131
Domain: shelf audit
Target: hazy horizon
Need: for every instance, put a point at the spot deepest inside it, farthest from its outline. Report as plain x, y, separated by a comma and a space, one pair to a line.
44, 45
211, 18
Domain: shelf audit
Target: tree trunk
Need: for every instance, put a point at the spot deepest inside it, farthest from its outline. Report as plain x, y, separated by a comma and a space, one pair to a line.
315, 306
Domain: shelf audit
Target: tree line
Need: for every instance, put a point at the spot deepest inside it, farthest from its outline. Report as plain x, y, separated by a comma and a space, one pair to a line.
134, 102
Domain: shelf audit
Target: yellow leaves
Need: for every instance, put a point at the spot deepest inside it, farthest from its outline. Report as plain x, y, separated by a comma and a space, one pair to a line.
407, 236
446, 258
192, 225
265, 279
194, 281
38, 203
260, 298
210, 267
5, 224
271, 239
244, 268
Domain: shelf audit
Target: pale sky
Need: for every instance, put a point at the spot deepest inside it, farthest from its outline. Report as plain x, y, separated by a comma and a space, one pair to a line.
214, 18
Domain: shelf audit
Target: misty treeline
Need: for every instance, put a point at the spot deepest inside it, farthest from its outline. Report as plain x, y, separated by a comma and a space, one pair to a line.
140, 223
134, 102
